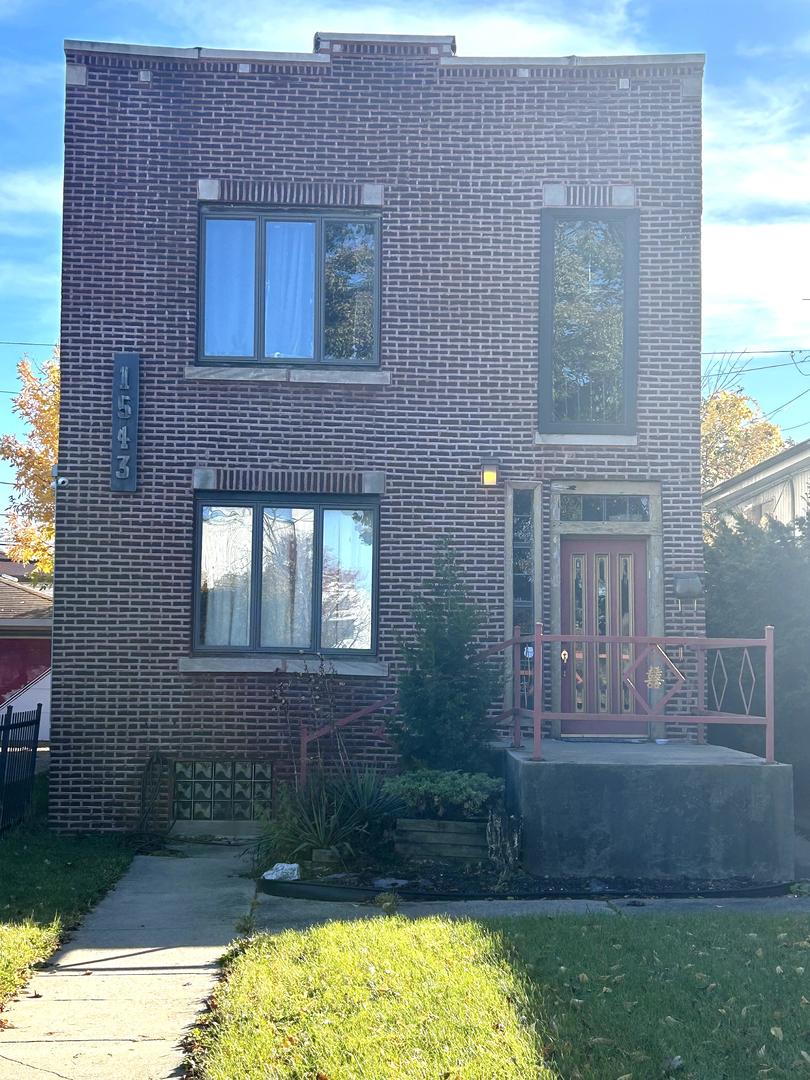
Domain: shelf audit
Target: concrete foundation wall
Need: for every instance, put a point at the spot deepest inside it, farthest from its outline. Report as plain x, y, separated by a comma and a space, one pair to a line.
689, 814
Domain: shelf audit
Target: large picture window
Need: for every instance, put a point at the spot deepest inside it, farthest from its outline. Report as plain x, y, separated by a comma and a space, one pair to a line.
289, 288
286, 574
588, 320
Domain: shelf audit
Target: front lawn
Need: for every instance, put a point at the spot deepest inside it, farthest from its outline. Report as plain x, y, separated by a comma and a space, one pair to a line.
47, 882
388, 999
703, 997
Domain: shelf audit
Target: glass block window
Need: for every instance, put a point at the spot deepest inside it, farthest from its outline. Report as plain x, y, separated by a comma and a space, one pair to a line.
604, 508
221, 790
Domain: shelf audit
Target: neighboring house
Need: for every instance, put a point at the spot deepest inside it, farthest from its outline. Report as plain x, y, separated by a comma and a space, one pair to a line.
25, 649
11, 568
779, 487
376, 296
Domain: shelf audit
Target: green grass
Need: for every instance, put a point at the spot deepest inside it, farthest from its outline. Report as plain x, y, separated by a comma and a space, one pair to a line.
626, 997
704, 997
388, 999
47, 882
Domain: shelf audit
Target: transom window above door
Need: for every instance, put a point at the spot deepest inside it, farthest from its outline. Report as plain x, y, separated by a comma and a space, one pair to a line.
289, 288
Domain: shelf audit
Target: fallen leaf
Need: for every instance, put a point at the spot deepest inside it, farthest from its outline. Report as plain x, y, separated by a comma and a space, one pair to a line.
777, 1033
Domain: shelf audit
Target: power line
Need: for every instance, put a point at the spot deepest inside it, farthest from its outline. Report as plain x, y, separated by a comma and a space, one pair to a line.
34, 344
743, 371
756, 352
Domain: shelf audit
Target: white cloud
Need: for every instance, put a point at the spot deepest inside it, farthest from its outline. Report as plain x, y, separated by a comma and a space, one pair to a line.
516, 29
756, 149
30, 279
754, 278
30, 191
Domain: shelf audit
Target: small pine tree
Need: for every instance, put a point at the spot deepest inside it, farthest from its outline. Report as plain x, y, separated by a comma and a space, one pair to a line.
446, 690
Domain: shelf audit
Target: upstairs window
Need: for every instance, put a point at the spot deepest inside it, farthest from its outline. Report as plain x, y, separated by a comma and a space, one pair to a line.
288, 288
286, 574
588, 321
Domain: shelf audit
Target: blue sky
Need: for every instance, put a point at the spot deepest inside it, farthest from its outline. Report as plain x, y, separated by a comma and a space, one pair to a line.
757, 140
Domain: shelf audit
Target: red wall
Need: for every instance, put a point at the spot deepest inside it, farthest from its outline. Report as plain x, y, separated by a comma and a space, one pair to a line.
21, 661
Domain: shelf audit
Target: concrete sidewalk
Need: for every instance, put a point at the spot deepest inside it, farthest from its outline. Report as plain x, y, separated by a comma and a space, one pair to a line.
119, 998
274, 914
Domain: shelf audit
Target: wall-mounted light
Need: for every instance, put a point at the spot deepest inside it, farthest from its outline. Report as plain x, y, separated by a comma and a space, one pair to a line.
490, 472
688, 586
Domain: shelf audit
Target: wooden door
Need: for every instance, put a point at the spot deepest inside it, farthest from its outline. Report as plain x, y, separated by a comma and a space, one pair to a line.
603, 592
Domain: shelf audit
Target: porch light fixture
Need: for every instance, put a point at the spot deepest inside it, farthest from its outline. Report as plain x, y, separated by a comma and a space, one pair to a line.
490, 472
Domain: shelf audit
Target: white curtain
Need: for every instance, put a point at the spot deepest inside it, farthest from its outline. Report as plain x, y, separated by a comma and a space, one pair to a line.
289, 290
225, 584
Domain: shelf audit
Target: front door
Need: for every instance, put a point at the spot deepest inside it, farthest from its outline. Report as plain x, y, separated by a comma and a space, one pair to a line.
603, 592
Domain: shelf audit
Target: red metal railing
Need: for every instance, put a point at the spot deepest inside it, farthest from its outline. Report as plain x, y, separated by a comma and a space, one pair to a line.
692, 693
681, 692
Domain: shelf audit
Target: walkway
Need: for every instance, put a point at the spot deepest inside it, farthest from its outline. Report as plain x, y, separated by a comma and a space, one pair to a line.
120, 997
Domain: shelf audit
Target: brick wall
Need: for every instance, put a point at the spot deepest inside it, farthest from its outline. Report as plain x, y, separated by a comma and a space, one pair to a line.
462, 152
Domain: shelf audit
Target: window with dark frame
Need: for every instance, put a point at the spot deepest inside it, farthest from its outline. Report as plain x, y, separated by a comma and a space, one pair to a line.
289, 288
588, 321
286, 574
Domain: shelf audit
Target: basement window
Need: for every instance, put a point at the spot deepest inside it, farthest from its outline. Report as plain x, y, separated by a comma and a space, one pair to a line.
222, 790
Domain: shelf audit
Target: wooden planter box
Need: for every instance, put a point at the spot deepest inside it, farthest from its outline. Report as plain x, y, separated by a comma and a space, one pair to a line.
465, 841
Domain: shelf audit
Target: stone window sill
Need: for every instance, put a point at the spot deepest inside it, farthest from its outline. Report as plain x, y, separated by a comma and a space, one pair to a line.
245, 373
559, 439
368, 668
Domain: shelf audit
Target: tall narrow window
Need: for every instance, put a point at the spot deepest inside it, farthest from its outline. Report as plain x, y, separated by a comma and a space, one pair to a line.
289, 287
588, 320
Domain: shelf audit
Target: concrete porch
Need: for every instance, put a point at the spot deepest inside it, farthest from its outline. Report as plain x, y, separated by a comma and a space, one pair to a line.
677, 813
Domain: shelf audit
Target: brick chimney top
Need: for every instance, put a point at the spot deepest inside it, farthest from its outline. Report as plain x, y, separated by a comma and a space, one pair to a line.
388, 44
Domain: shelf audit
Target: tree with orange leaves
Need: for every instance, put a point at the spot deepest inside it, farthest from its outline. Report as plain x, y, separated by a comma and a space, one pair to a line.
31, 514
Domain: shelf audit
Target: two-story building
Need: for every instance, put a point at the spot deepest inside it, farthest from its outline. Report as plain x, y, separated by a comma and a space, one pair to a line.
319, 312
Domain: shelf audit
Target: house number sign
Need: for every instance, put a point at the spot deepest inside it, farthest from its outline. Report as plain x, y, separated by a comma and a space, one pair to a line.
124, 461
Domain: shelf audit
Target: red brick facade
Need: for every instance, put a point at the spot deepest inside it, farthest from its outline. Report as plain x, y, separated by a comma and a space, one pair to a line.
462, 151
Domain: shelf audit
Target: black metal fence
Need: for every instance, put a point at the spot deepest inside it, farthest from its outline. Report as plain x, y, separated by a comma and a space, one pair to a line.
19, 733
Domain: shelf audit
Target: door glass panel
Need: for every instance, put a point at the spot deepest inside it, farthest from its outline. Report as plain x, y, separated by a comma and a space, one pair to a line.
578, 626
287, 544
225, 586
347, 571
289, 290
602, 648
230, 288
626, 621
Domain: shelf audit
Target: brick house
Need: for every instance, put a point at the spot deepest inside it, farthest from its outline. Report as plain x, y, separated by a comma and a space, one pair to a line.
341, 305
